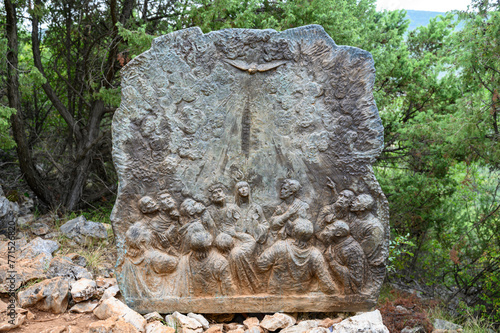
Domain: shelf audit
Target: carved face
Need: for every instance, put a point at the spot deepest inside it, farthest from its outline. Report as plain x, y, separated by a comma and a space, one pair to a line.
361, 203
148, 126
147, 205
334, 232
286, 190
199, 207
191, 209
357, 206
166, 202
244, 191
218, 195
345, 198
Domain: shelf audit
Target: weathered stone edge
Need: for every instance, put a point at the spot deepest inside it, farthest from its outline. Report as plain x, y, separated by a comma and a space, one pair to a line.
249, 304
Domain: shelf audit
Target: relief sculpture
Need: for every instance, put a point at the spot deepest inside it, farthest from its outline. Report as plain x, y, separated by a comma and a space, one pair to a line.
245, 180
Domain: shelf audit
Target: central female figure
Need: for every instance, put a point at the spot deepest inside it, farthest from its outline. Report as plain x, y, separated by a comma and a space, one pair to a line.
252, 221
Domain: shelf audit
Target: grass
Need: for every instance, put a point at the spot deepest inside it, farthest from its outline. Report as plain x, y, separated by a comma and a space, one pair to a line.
94, 257
29, 284
475, 325
471, 324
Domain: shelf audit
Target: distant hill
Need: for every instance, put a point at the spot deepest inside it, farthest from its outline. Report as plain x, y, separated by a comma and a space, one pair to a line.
419, 17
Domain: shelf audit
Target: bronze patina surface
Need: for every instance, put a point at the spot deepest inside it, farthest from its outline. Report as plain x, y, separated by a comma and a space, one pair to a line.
245, 180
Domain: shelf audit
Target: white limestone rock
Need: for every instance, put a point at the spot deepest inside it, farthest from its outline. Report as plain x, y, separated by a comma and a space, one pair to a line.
83, 290
158, 327
202, 320
369, 322
277, 321
113, 307
185, 323
84, 307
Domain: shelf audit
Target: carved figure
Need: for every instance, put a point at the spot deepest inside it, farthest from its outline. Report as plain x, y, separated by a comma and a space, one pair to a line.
367, 229
147, 206
166, 224
254, 67
220, 216
252, 221
338, 210
149, 209
295, 263
143, 266
289, 210
345, 257
209, 270
242, 264
191, 222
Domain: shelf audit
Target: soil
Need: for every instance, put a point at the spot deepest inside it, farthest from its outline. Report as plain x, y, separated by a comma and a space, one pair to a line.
44, 321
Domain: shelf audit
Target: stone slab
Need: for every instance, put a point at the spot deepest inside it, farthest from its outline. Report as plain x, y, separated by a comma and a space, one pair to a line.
244, 160
255, 304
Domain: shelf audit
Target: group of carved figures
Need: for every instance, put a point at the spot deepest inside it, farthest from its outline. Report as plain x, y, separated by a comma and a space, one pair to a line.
233, 249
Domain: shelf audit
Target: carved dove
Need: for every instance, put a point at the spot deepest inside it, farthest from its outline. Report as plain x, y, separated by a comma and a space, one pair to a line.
254, 67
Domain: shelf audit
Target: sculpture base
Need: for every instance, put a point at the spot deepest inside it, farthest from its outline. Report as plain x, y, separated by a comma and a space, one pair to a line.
255, 304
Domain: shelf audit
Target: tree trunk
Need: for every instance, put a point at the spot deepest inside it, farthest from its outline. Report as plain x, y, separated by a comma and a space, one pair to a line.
83, 160
26, 164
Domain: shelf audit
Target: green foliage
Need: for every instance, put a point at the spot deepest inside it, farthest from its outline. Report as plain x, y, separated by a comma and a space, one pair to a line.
400, 248
110, 96
6, 141
138, 40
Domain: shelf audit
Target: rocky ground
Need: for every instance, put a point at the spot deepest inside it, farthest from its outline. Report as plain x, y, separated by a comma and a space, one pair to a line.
61, 272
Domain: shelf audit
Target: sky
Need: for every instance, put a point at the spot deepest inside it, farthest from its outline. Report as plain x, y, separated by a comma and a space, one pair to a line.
427, 5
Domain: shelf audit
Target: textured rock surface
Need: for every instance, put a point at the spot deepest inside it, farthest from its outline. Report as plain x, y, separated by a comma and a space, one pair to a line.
31, 264
83, 289
251, 322
112, 307
8, 325
28, 269
61, 266
153, 316
241, 152
50, 295
112, 325
441, 324
199, 318
84, 307
40, 228
110, 292
185, 323
302, 327
277, 321
157, 327
83, 231
9, 212
38, 246
369, 322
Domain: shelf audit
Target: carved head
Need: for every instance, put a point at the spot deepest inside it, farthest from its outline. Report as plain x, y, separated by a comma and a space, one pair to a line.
200, 241
224, 243
148, 126
243, 189
302, 230
138, 238
345, 198
191, 207
334, 232
166, 202
147, 205
217, 194
289, 188
362, 202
